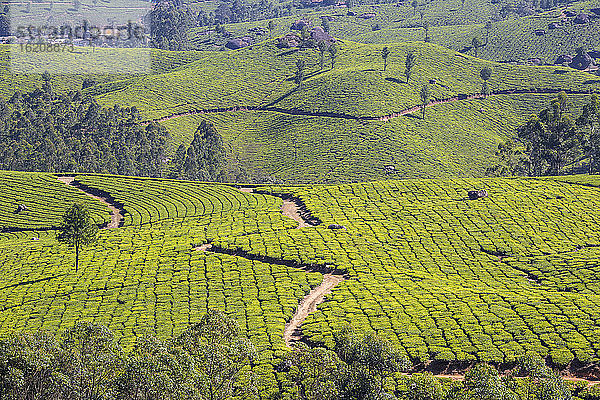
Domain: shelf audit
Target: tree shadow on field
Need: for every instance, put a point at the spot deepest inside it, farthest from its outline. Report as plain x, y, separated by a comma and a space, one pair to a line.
287, 53
395, 80
414, 115
315, 73
369, 70
280, 98
591, 81
560, 71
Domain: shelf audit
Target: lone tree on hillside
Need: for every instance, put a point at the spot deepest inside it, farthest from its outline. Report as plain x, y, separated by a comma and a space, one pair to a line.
488, 28
485, 74
411, 60
333, 50
426, 26
425, 95
271, 27
476, 44
415, 5
77, 230
300, 66
385, 54
322, 46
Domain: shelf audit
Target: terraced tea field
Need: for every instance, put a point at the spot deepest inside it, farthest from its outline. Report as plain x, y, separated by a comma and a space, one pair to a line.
45, 198
442, 277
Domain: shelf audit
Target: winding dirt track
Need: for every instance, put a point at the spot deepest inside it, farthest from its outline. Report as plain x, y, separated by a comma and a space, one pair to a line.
308, 305
461, 97
115, 214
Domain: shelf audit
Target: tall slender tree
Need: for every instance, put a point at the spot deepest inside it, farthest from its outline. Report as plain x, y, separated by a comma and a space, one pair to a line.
411, 61
488, 28
486, 74
300, 67
333, 53
425, 94
475, 45
322, 46
385, 53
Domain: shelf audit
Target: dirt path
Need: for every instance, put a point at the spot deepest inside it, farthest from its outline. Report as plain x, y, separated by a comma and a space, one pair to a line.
116, 215
308, 305
289, 209
461, 97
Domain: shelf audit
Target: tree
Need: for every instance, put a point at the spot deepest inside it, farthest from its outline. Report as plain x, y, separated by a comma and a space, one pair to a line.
205, 157
322, 46
425, 94
590, 122
424, 386
4, 20
476, 44
427, 26
482, 382
415, 5
385, 54
91, 360
77, 229
300, 66
550, 139
488, 28
511, 160
409, 64
169, 24
271, 27
325, 24
333, 52
221, 357
370, 362
315, 372
486, 74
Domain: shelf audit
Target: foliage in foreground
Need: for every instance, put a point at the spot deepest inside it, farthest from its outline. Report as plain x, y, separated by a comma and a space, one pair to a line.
212, 361
208, 361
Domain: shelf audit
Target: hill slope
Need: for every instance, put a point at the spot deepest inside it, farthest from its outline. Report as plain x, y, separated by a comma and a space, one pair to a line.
274, 128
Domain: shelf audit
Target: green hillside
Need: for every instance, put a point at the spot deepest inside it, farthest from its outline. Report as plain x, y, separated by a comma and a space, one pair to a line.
251, 97
441, 276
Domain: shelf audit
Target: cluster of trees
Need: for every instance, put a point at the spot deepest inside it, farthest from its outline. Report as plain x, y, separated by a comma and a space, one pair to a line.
204, 159
323, 47
4, 20
169, 25
45, 131
552, 141
170, 20
409, 63
237, 11
212, 360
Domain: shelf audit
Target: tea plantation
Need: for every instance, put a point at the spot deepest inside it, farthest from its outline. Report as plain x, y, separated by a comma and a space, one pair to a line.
452, 279
441, 276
